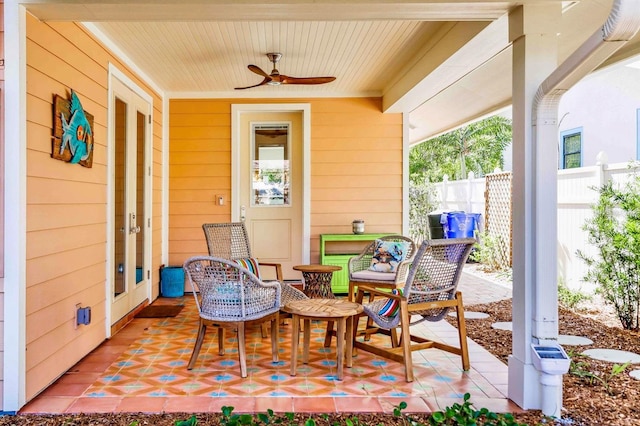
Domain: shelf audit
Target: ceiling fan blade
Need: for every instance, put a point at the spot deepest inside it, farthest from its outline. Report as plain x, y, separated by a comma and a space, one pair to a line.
262, 83
305, 80
257, 70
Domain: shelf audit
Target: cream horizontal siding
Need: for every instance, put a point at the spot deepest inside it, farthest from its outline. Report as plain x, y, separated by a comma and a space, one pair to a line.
67, 203
356, 168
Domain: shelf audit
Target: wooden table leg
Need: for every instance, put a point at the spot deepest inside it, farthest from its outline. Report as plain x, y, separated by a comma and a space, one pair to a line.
306, 341
295, 337
349, 337
340, 344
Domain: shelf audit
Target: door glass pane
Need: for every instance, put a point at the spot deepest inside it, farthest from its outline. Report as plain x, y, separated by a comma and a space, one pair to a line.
120, 213
140, 213
270, 165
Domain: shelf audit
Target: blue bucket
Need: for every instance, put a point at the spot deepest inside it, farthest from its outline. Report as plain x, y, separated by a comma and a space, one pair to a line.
172, 281
462, 225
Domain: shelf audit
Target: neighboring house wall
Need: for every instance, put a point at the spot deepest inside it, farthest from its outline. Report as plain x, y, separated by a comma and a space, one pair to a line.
67, 204
356, 168
604, 106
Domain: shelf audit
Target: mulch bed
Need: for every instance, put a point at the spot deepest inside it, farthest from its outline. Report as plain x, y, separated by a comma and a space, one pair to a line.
585, 402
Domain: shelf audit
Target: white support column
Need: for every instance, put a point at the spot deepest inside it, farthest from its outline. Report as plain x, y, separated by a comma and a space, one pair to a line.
532, 30
15, 166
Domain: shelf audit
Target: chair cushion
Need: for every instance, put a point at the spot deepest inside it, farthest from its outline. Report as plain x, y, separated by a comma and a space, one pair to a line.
368, 275
392, 306
251, 264
388, 254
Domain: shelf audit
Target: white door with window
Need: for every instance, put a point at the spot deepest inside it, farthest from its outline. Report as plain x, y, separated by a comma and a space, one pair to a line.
271, 187
129, 261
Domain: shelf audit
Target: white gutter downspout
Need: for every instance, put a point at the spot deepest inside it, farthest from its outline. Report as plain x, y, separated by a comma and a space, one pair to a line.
621, 25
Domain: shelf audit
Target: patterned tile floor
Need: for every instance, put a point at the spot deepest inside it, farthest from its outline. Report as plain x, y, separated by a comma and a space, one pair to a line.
143, 369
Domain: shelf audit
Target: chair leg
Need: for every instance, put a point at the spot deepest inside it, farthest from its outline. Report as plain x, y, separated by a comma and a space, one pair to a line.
220, 341
242, 352
202, 330
275, 329
367, 337
462, 332
263, 329
406, 341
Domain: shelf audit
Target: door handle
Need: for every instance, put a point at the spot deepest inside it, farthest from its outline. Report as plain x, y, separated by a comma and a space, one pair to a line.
243, 213
133, 229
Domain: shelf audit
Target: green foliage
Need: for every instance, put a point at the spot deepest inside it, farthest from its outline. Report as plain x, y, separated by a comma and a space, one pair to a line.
489, 253
582, 369
192, 421
465, 414
477, 147
458, 414
614, 230
422, 201
571, 299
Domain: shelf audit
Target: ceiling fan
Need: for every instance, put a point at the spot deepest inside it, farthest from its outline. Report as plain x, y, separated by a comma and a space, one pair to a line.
276, 79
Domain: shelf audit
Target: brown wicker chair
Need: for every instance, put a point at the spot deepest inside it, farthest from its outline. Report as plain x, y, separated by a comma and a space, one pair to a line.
429, 293
230, 296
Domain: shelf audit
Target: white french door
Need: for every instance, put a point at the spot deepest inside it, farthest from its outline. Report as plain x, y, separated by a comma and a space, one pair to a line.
129, 260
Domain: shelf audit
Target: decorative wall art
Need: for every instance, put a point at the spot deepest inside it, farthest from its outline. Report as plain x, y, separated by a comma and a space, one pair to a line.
72, 131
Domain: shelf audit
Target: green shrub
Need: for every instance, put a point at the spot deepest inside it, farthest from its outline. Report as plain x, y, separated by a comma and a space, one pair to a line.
571, 299
614, 230
422, 201
489, 253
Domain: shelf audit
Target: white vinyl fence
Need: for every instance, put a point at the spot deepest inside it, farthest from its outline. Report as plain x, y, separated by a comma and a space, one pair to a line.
575, 198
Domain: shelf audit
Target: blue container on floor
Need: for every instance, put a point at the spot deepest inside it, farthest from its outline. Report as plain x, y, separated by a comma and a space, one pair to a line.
462, 225
172, 281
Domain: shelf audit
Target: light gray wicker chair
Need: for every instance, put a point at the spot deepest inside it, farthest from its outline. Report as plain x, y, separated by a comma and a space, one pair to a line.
429, 293
230, 296
231, 241
359, 272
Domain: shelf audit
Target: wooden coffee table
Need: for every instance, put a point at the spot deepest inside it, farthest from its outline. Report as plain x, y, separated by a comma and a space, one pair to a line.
317, 280
340, 311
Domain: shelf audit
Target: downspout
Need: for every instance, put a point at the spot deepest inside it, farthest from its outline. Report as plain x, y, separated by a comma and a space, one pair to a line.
621, 25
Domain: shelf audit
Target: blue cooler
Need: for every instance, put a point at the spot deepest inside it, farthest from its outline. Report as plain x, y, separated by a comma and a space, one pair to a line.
172, 281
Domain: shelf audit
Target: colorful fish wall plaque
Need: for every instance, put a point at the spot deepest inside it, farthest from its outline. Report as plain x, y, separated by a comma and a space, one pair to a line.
72, 131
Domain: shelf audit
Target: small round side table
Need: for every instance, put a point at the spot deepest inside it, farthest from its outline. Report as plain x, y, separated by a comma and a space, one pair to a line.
330, 310
317, 280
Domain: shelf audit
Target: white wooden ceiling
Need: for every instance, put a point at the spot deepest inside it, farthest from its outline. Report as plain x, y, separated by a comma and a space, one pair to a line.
443, 61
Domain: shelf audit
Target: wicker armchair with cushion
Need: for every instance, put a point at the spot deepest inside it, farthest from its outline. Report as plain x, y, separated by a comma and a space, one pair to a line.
230, 296
384, 263
429, 293
231, 241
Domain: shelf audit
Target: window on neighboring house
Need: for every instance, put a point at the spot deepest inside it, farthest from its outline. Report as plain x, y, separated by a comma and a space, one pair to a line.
571, 149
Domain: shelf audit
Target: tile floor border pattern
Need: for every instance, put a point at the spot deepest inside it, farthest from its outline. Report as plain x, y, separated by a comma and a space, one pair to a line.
143, 368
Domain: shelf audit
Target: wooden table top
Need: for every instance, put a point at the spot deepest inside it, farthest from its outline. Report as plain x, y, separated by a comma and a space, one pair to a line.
317, 268
323, 308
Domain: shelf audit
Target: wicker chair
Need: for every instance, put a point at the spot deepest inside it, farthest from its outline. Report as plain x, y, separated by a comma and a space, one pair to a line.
359, 272
231, 241
230, 296
429, 293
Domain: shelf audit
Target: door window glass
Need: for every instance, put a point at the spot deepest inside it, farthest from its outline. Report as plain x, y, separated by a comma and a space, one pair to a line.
270, 165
